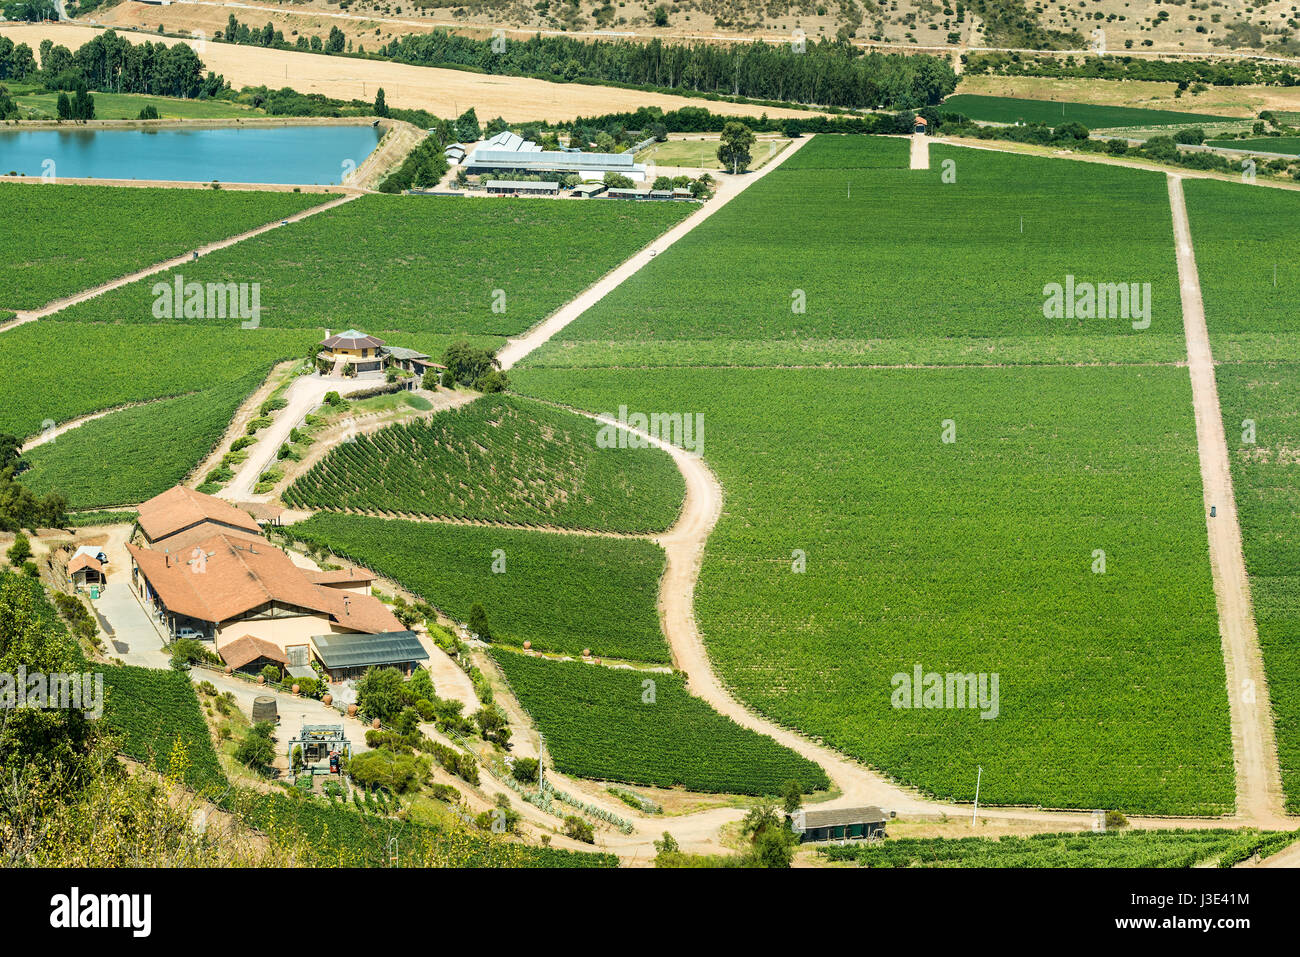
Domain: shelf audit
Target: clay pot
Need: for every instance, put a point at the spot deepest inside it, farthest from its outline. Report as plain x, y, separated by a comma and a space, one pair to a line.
294, 689
327, 700
229, 670
527, 645
352, 711
375, 724
586, 652
261, 679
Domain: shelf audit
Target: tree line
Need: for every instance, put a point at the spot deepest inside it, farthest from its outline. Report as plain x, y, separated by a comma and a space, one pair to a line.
1122, 67
824, 72
110, 64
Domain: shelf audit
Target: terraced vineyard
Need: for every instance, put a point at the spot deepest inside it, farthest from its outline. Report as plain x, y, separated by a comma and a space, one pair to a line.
644, 728
847, 261
119, 460
1108, 849
77, 237
970, 557
499, 459
564, 593
436, 266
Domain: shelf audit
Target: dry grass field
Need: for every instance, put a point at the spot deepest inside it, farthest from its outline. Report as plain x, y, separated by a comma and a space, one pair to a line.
443, 92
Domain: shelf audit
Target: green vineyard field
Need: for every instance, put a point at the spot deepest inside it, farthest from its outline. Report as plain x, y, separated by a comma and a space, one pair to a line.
119, 459
76, 237
609, 724
499, 459
865, 266
427, 265
1107, 849
970, 557
564, 593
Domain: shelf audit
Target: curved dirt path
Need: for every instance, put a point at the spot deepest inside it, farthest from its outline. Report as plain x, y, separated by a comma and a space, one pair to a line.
1259, 779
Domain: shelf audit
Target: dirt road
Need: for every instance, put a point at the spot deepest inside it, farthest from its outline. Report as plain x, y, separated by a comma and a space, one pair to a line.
728, 188
920, 151
304, 395
1259, 789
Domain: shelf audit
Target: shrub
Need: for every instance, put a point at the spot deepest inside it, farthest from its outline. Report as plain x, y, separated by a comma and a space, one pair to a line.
578, 829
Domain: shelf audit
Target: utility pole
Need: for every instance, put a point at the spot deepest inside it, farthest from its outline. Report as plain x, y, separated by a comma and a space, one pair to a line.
978, 775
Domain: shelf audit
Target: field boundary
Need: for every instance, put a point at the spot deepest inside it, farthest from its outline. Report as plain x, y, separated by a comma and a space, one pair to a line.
1254, 747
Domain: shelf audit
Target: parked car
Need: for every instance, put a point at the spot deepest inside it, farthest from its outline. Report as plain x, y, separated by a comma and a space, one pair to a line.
190, 633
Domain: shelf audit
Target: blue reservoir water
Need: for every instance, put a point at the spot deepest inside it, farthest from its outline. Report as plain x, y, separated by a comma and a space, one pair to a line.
301, 155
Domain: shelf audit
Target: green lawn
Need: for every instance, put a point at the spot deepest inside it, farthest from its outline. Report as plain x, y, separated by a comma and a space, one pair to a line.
39, 104
972, 557
564, 593
1007, 109
70, 238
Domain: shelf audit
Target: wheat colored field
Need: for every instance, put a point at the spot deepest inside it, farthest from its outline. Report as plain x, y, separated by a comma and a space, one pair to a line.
443, 92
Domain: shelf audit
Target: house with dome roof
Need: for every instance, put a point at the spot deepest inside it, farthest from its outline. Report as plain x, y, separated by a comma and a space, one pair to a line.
366, 353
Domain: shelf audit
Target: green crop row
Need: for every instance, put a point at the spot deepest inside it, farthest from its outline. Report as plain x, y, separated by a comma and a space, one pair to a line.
69, 238
1165, 848
499, 459
563, 593
420, 265
849, 265
1010, 109
122, 459
57, 371
645, 728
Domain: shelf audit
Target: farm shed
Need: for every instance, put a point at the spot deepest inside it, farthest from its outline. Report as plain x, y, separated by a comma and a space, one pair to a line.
661, 194
251, 653
921, 125
628, 194
350, 656
838, 824
521, 187
588, 190
86, 570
